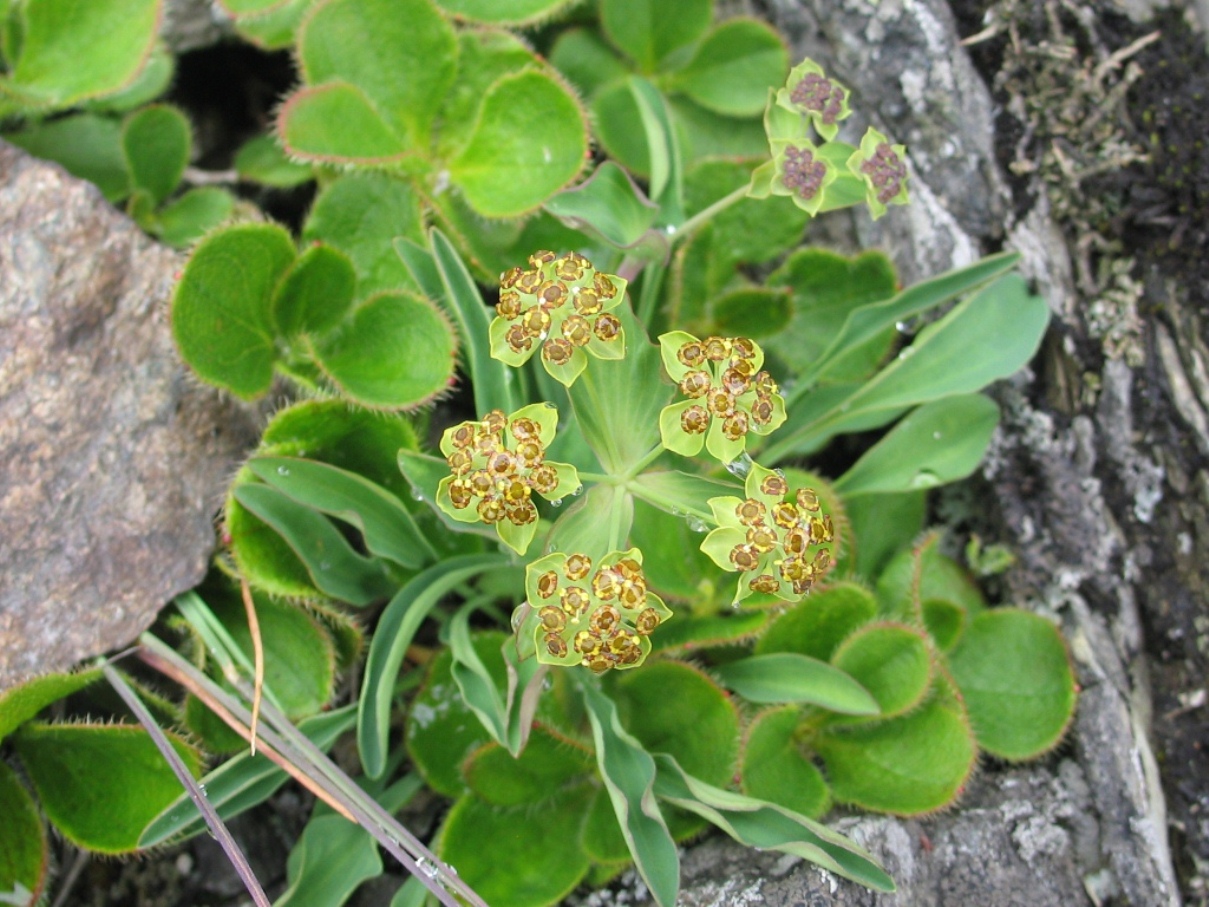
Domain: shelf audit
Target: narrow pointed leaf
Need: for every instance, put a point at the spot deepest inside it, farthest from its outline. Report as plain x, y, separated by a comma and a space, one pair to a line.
788, 677
608, 204
24, 857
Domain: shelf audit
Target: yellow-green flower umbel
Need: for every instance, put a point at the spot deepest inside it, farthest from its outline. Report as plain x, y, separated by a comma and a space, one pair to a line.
728, 395
780, 547
562, 306
596, 615
496, 466
883, 168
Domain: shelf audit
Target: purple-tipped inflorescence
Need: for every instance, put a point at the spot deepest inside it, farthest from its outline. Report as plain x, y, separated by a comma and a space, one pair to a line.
819, 95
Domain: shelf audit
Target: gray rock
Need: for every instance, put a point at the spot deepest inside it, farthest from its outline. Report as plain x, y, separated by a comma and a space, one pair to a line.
193, 24
114, 457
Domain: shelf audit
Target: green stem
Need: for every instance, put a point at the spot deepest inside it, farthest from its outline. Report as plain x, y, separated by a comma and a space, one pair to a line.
651, 456
651, 284
706, 214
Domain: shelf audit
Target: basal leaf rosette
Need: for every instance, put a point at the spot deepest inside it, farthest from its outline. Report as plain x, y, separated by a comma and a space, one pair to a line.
728, 395
596, 615
810, 92
562, 306
883, 167
780, 547
497, 464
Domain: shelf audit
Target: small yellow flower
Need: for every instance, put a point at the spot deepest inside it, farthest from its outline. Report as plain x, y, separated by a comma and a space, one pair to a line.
495, 467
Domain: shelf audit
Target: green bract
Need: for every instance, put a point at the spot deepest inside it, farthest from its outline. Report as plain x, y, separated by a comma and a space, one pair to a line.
728, 395
497, 465
562, 306
809, 92
596, 615
780, 548
883, 168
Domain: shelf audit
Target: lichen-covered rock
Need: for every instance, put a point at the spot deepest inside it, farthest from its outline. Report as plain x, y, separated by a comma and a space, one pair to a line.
114, 459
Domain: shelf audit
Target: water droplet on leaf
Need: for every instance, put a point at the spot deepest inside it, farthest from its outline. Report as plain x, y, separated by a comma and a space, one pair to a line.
282, 471
740, 466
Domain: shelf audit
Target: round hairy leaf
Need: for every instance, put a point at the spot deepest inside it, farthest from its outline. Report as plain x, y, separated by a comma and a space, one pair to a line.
100, 784
221, 310
688, 633
361, 213
882, 525
734, 67
395, 352
916, 763
601, 836
512, 857
827, 288
547, 764
529, 142
775, 768
676, 709
185, 220
647, 34
820, 622
23, 702
891, 661
23, 854
616, 121
504, 12
276, 29
1014, 672
261, 160
442, 732
73, 50
752, 312
914, 576
399, 55
85, 144
945, 621
336, 124
586, 60
236, 8
156, 141
316, 292
152, 81
484, 55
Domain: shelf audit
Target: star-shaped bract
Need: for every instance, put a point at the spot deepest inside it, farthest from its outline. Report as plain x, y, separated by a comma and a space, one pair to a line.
497, 464
810, 92
562, 306
596, 615
779, 547
728, 395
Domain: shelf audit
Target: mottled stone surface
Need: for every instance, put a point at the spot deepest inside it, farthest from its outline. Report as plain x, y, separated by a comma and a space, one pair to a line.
114, 457
193, 24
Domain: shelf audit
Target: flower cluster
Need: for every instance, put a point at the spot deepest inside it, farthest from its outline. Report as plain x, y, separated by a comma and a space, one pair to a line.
882, 167
562, 305
496, 465
780, 547
728, 395
809, 91
600, 618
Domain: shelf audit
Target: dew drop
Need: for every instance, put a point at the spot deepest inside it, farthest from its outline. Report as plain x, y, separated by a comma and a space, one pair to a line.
282, 471
740, 466
925, 478
907, 353
696, 524
416, 494
578, 491
425, 866
557, 502
936, 436
202, 790
324, 565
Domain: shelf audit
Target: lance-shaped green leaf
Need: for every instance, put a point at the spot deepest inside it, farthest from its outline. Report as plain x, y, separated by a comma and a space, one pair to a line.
530, 862
891, 661
316, 292
942, 441
913, 764
870, 320
644, 31
242, 781
820, 622
156, 141
733, 67
334, 567
388, 527
767, 826
24, 859
788, 677
222, 317
608, 205
100, 784
396, 351
629, 776
396, 628
775, 768
530, 141
380, 68
23, 702
87, 145
1015, 675
71, 51
681, 493
1003, 320
492, 380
